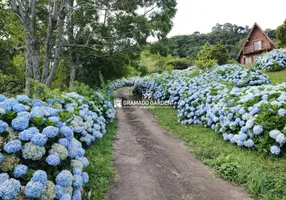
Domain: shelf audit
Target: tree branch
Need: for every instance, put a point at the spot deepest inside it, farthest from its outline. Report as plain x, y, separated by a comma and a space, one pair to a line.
150, 10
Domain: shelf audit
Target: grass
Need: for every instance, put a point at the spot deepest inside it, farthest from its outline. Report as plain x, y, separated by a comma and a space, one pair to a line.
277, 77
99, 170
263, 176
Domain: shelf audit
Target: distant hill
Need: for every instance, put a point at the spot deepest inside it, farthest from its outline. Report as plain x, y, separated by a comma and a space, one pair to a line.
187, 46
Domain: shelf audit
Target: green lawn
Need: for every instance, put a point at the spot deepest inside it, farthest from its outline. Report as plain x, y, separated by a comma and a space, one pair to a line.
99, 169
264, 176
277, 77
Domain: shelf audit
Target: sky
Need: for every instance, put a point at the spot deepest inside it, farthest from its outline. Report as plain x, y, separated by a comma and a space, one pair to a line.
202, 15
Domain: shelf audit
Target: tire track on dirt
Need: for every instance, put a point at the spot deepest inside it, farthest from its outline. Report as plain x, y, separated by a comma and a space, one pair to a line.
151, 164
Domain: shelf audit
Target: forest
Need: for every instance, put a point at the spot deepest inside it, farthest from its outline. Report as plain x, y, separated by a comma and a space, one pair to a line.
232, 36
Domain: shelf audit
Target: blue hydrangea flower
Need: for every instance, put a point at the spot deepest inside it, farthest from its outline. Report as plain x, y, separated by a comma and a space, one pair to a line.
281, 139
37, 111
257, 130
19, 108
84, 133
13, 146
9, 189
76, 195
2, 97
72, 150
78, 181
3, 126
85, 177
20, 170
20, 123
2, 111
67, 132
275, 150
1, 158
34, 189
282, 112
23, 98
77, 171
39, 139
3, 177
66, 196
64, 142
51, 131
34, 130
33, 152
9, 103
249, 143
64, 178
25, 135
24, 114
60, 191
243, 129
37, 103
53, 160
84, 161
274, 133
40, 176
80, 152
51, 111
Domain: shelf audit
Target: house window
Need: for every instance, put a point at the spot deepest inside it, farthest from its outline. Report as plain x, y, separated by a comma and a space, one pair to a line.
248, 60
257, 45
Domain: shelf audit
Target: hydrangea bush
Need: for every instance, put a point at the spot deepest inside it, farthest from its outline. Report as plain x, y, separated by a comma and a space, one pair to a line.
237, 102
43, 142
274, 60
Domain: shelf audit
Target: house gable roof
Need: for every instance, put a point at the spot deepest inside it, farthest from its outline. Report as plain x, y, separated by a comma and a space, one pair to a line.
250, 33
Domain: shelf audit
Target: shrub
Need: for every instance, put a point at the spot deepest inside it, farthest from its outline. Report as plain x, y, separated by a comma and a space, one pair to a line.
179, 63
274, 60
235, 101
42, 143
207, 63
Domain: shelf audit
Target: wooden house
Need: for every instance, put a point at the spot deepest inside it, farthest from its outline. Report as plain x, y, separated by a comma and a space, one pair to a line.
257, 42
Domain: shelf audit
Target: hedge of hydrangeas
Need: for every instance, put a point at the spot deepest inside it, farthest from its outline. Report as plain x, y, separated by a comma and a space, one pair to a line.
274, 60
42, 144
233, 100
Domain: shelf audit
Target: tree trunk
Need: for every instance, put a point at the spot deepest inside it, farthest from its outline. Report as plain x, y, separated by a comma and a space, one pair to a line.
49, 42
35, 59
73, 66
72, 53
58, 47
29, 64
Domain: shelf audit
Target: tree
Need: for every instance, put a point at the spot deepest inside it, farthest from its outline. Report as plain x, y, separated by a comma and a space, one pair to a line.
271, 33
116, 32
281, 35
188, 46
219, 53
210, 55
85, 28
31, 20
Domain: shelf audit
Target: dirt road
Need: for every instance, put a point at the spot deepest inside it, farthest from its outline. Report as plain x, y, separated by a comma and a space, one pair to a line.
151, 164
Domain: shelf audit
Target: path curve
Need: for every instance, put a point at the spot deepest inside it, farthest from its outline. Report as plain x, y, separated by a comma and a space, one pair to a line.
151, 164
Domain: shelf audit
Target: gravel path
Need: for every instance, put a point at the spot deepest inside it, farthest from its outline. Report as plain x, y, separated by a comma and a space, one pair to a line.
151, 164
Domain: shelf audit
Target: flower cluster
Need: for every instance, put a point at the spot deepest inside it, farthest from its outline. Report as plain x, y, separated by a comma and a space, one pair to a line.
51, 135
274, 60
250, 113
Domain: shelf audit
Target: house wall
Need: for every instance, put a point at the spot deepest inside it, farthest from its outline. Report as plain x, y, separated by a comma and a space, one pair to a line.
252, 57
256, 35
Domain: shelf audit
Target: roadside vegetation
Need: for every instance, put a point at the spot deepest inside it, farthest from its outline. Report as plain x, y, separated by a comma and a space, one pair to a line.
100, 170
262, 175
